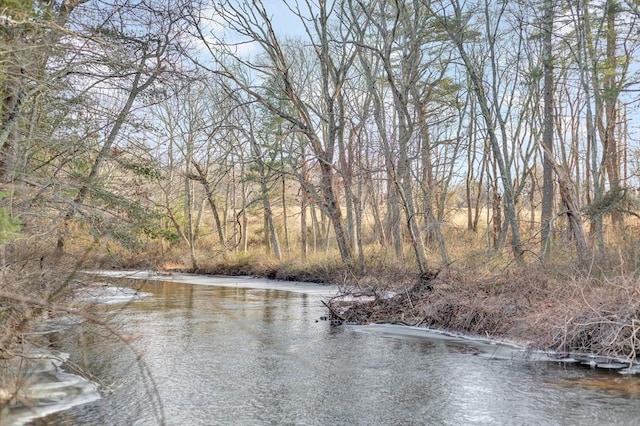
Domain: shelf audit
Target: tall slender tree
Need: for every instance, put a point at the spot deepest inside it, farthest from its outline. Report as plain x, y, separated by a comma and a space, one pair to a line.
549, 125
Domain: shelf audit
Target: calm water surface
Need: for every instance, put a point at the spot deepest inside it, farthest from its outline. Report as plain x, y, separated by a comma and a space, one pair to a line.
239, 356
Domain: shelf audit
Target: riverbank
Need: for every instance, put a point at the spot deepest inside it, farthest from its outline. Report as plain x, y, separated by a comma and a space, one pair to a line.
243, 354
577, 318
41, 386
565, 313
36, 379
517, 316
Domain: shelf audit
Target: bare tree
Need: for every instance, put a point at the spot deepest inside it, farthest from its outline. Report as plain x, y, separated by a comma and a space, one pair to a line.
549, 124
453, 20
322, 127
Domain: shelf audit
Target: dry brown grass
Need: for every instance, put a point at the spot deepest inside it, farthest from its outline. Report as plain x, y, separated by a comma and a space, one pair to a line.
534, 306
594, 315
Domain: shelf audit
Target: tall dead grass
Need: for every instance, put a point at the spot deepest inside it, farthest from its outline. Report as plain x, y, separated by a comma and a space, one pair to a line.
568, 311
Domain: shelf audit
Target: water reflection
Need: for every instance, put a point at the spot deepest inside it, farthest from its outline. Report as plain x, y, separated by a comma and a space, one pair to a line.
227, 355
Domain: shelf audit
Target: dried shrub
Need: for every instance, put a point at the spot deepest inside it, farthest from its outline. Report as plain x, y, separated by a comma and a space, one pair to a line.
544, 309
600, 317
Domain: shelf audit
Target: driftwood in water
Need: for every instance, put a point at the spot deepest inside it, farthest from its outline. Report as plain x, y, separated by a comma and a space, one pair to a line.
335, 317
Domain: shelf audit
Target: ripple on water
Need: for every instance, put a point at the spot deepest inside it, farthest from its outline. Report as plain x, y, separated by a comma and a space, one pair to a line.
218, 360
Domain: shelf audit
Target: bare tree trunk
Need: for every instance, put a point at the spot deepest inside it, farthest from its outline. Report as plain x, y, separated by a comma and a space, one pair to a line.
378, 227
285, 226
610, 142
210, 195
303, 224
590, 83
532, 200
547, 139
188, 207
318, 228
272, 242
392, 219
471, 182
569, 199
244, 222
496, 216
359, 212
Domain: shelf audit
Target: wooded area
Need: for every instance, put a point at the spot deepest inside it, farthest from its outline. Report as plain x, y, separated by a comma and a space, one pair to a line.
478, 160
423, 133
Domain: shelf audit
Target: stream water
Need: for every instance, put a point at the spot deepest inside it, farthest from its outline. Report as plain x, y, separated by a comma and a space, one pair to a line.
220, 353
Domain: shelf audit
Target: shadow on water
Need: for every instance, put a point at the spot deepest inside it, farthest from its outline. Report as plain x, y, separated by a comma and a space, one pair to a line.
242, 356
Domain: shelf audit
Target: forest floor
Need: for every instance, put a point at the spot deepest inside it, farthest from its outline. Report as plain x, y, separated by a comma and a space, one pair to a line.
531, 306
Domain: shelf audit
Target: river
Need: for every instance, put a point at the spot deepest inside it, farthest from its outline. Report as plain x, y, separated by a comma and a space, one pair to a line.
219, 352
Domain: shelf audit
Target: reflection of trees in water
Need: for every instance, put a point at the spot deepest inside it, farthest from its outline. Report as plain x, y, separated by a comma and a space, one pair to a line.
243, 356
